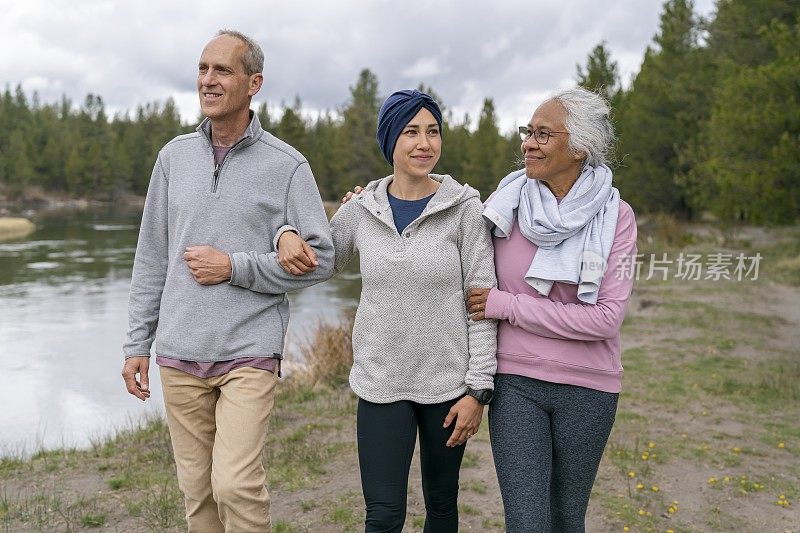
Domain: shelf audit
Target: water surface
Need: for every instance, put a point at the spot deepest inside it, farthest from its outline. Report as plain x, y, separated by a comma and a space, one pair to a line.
63, 315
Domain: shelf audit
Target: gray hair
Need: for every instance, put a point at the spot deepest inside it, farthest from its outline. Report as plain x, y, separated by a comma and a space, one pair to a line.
253, 59
588, 123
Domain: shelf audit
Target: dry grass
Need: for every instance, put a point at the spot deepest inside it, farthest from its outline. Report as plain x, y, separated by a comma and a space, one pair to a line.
15, 228
329, 354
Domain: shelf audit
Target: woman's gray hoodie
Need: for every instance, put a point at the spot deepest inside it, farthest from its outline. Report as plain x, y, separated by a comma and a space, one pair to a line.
412, 338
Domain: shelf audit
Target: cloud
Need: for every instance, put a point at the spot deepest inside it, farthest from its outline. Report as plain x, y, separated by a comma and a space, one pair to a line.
424, 67
132, 53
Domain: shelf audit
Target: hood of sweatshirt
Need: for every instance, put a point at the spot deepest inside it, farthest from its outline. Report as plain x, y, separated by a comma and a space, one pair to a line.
375, 198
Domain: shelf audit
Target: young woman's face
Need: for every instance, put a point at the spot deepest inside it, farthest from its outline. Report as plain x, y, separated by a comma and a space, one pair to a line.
419, 146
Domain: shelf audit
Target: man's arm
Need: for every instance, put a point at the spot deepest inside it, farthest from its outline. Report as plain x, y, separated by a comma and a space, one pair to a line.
261, 272
147, 284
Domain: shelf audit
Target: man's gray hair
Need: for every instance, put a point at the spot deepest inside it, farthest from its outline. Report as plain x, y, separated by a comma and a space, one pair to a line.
588, 123
253, 55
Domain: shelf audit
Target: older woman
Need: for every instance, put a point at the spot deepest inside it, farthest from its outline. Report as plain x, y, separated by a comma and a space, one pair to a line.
562, 237
420, 365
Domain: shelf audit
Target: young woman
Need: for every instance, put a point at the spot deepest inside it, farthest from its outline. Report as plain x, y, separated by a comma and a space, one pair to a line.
421, 366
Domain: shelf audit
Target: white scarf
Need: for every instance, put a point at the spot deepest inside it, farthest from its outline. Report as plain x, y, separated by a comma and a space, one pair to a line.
574, 236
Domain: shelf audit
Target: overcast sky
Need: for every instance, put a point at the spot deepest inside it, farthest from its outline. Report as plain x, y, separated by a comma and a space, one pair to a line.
137, 52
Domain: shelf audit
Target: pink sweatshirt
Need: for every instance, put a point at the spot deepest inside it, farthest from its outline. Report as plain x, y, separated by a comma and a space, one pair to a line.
558, 338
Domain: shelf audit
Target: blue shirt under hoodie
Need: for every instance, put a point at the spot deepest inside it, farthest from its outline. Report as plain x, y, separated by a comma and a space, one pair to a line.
406, 211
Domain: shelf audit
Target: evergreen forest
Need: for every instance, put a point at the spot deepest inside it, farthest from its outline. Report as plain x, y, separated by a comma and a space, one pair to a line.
709, 125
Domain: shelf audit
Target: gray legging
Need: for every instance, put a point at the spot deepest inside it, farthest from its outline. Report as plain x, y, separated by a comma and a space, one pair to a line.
547, 441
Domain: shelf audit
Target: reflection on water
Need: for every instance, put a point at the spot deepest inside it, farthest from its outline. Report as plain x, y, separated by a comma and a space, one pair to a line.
63, 315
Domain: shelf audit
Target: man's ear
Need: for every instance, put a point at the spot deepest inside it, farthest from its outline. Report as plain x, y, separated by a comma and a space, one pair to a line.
256, 80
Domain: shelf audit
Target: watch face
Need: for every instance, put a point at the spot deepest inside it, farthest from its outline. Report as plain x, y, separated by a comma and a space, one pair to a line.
483, 396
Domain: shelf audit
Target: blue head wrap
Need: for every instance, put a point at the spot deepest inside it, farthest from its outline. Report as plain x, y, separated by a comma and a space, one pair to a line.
396, 112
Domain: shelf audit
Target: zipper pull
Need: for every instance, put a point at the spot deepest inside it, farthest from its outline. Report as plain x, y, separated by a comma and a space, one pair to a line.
215, 181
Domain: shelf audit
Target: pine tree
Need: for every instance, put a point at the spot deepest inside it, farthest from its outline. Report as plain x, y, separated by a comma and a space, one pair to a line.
455, 144
661, 114
751, 153
601, 74
18, 167
363, 158
327, 154
485, 159
291, 128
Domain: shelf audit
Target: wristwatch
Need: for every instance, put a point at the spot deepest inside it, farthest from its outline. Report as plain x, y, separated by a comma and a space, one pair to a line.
484, 396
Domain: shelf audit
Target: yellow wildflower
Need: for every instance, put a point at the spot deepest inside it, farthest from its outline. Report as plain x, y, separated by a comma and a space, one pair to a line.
642, 512
651, 445
712, 480
639, 486
781, 445
631, 474
626, 528
654, 488
736, 449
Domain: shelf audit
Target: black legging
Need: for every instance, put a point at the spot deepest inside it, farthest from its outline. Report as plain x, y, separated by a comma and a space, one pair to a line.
386, 437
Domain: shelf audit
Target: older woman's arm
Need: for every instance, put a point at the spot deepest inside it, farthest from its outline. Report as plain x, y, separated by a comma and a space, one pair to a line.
576, 321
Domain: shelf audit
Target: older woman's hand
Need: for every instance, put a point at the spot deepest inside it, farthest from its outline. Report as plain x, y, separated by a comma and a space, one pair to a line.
357, 189
295, 255
476, 303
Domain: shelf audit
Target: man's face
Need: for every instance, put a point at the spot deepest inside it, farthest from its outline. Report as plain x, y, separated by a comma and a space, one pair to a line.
223, 85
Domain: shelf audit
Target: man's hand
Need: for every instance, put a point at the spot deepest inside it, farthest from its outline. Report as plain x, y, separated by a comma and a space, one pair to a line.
295, 255
476, 303
137, 365
468, 414
208, 265
357, 189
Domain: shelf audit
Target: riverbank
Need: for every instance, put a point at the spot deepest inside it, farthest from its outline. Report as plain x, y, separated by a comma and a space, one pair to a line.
15, 228
706, 436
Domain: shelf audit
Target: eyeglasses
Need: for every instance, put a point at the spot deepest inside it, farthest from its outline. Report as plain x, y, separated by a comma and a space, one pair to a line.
539, 135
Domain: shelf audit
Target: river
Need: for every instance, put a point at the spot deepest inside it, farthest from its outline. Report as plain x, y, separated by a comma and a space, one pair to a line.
63, 315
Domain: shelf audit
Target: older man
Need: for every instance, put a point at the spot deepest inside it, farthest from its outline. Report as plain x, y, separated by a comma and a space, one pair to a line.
207, 285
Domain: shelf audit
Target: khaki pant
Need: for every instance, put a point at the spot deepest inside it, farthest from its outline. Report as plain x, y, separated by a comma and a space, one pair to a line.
218, 428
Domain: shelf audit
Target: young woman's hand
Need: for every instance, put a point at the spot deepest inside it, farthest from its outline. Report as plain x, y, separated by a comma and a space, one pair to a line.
468, 414
295, 255
476, 303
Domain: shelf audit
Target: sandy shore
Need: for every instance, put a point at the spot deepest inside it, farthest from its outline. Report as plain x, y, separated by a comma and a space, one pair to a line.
15, 228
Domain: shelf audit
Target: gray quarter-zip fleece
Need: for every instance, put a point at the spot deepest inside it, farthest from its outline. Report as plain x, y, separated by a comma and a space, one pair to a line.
238, 207
412, 337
